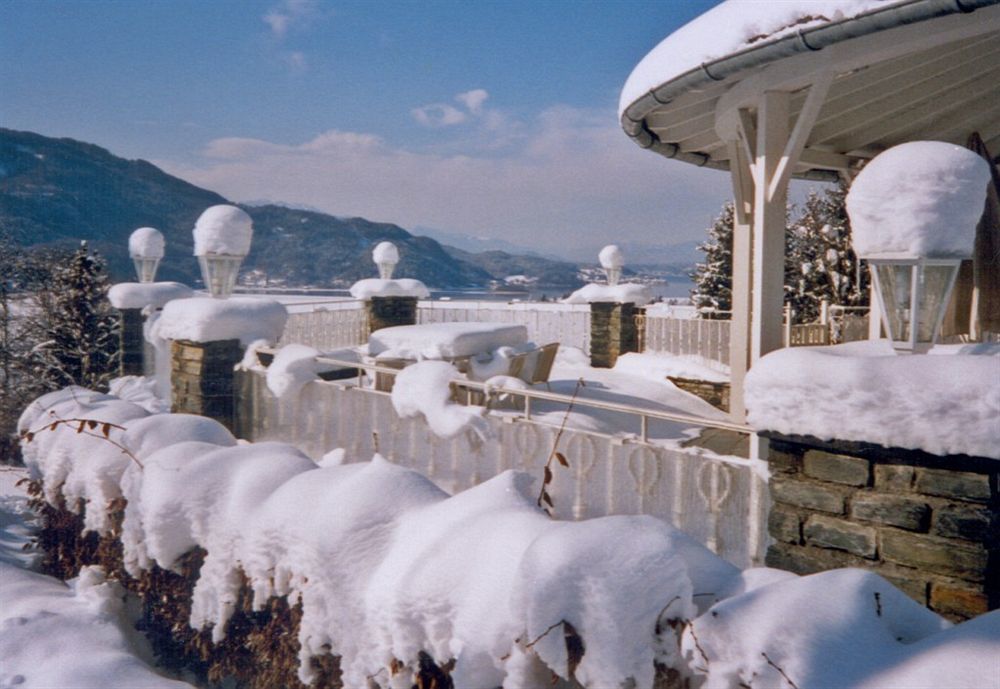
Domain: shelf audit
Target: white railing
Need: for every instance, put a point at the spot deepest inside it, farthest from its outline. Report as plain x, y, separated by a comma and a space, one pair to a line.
720, 501
702, 337
568, 324
328, 326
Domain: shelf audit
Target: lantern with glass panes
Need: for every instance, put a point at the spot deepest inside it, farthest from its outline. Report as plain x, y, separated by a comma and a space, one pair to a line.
222, 238
914, 210
145, 246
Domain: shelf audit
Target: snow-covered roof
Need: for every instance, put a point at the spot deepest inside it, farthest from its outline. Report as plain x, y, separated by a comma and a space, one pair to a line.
901, 71
202, 319
377, 287
139, 295
624, 293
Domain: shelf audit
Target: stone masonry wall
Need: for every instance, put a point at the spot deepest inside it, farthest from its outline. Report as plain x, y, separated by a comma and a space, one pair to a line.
131, 343
201, 378
928, 524
612, 332
386, 312
716, 394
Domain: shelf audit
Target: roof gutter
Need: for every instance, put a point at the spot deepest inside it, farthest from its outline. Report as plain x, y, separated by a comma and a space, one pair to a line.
633, 118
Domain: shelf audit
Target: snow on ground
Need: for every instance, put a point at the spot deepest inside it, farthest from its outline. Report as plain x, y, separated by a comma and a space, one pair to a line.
944, 404
56, 635
623, 293
922, 198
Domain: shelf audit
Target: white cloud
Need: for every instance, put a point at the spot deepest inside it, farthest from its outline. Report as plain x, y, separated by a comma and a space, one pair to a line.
296, 60
571, 176
473, 100
290, 14
438, 115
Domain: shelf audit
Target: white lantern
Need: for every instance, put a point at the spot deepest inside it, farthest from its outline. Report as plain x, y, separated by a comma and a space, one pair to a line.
386, 256
612, 260
145, 246
914, 210
222, 238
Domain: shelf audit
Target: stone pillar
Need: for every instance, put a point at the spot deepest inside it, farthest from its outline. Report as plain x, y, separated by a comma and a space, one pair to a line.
928, 524
201, 378
132, 343
386, 312
612, 332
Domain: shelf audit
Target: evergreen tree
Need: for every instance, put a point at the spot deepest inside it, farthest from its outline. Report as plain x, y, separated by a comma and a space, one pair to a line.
821, 264
79, 343
713, 279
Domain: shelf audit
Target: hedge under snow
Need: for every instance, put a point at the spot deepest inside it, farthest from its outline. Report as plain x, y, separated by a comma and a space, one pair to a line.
386, 566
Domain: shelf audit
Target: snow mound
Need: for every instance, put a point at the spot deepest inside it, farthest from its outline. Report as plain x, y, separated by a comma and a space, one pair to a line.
625, 293
424, 389
827, 630
865, 392
140, 390
294, 365
223, 229
206, 320
611, 257
139, 295
918, 199
146, 242
385, 252
445, 340
377, 287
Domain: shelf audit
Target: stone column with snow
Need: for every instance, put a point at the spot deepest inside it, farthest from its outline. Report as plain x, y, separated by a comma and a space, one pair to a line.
389, 302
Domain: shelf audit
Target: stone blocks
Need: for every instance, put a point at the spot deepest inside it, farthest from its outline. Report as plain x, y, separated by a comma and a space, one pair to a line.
201, 378
132, 343
612, 332
387, 312
929, 524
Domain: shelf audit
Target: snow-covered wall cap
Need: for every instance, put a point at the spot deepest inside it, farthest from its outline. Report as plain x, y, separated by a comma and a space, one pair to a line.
146, 242
377, 287
918, 199
863, 392
626, 293
611, 257
202, 319
728, 28
139, 295
385, 252
223, 229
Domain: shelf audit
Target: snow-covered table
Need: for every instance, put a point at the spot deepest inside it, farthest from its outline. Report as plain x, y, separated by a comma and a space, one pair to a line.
445, 340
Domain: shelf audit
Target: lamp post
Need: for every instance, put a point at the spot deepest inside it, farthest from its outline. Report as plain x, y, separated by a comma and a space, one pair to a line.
914, 210
222, 238
612, 261
386, 256
145, 246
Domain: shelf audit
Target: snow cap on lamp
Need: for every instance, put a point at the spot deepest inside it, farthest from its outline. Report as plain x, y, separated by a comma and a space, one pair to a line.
386, 256
921, 199
222, 238
612, 260
146, 247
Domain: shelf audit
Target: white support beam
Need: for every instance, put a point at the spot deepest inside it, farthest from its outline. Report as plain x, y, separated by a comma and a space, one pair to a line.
800, 134
769, 225
739, 332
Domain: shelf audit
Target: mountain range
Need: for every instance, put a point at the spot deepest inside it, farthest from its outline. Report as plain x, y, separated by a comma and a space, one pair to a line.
57, 192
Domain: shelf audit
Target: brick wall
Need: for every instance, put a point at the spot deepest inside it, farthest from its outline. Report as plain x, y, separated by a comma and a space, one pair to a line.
929, 524
201, 378
612, 332
386, 312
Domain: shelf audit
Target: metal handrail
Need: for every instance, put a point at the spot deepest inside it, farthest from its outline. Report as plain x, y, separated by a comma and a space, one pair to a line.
645, 415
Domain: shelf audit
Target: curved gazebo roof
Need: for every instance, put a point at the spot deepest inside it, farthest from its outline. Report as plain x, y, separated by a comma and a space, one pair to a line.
895, 72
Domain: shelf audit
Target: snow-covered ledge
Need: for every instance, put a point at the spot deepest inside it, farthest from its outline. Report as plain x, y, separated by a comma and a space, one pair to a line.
888, 463
131, 298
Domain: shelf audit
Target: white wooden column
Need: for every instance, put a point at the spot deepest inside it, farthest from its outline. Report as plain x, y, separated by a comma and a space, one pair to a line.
739, 334
770, 196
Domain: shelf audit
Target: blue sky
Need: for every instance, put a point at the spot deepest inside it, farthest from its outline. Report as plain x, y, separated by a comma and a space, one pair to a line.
488, 118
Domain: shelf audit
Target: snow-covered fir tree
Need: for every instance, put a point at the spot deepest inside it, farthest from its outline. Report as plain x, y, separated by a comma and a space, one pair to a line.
79, 343
820, 262
713, 278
